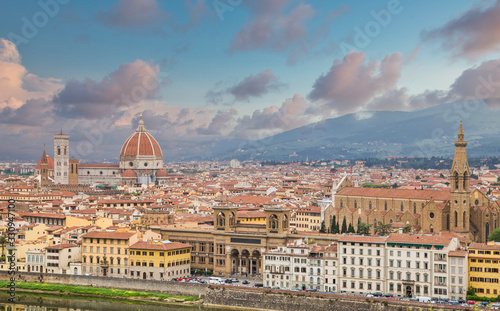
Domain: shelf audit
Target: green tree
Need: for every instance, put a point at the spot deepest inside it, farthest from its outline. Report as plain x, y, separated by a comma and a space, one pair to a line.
441, 175
322, 229
350, 229
344, 226
394, 185
471, 291
333, 225
3, 241
337, 227
363, 228
495, 235
407, 229
383, 229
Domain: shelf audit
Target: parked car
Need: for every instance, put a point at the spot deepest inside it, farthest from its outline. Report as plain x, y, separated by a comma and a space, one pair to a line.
246, 282
235, 280
258, 285
228, 281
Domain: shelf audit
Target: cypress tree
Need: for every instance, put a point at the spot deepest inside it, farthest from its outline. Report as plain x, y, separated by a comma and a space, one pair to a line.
344, 226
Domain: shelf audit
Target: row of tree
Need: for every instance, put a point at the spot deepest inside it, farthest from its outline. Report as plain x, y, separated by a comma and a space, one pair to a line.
363, 228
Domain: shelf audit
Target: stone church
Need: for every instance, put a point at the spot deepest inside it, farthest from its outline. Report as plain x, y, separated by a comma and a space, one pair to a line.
457, 209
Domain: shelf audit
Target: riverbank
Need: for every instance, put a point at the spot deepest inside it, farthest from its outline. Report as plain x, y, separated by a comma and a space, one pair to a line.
60, 289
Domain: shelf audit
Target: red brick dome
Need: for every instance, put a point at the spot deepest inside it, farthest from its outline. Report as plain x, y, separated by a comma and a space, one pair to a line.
50, 163
161, 173
141, 143
129, 174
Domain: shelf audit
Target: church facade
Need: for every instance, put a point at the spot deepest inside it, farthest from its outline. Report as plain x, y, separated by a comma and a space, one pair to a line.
459, 210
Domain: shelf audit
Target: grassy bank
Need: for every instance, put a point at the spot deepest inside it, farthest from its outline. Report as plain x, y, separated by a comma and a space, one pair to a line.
107, 292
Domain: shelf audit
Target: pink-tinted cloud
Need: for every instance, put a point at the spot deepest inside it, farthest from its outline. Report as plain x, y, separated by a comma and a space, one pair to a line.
472, 34
219, 124
479, 83
127, 86
273, 120
271, 26
352, 83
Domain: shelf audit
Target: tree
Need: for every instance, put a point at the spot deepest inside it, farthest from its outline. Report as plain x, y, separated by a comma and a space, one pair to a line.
350, 229
322, 229
344, 226
471, 291
441, 176
394, 185
407, 229
333, 225
3, 241
337, 227
495, 235
383, 229
363, 228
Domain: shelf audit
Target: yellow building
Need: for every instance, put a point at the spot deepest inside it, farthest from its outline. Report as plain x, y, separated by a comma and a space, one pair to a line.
106, 253
159, 260
308, 219
483, 268
252, 218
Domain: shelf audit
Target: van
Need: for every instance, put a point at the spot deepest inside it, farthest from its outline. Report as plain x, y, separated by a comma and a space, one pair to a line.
216, 281
424, 299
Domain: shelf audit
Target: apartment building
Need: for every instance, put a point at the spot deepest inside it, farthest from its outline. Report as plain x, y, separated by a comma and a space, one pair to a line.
159, 260
362, 265
418, 265
106, 253
58, 257
483, 268
331, 265
457, 260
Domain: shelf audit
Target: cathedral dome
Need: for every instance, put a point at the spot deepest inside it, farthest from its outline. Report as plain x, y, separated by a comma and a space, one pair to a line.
141, 143
129, 174
161, 173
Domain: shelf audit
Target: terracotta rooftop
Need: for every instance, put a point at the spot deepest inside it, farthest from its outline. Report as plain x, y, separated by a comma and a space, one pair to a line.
109, 235
418, 239
396, 193
159, 246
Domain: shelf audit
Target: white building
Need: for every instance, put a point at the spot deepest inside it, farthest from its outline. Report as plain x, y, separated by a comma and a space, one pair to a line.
458, 272
331, 269
418, 265
59, 257
362, 264
35, 261
61, 159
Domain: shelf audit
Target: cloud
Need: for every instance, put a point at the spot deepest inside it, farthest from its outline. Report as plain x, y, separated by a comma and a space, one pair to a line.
470, 35
273, 120
351, 83
478, 83
33, 112
127, 86
132, 14
17, 84
251, 86
219, 124
197, 10
270, 26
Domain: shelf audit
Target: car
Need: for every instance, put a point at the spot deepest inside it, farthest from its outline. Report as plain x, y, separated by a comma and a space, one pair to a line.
246, 282
228, 281
258, 285
453, 302
377, 294
235, 280
461, 300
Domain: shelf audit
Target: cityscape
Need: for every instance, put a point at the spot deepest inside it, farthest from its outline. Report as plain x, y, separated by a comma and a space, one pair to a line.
249, 154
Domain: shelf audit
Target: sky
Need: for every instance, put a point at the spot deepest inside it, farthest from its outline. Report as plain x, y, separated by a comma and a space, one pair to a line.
206, 71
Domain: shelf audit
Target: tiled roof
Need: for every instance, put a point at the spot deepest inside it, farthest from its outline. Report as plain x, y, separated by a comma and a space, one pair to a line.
484, 246
109, 235
363, 239
61, 246
158, 246
418, 239
396, 193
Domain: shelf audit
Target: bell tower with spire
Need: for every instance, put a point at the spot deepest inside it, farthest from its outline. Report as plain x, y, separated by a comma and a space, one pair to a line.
44, 170
459, 182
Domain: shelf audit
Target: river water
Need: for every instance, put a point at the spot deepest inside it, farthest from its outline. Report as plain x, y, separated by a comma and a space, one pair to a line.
91, 304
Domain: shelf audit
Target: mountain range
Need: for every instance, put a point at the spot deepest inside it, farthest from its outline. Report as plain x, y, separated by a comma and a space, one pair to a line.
421, 133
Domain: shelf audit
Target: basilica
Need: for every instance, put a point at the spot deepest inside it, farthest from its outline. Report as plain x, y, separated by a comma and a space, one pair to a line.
456, 210
141, 163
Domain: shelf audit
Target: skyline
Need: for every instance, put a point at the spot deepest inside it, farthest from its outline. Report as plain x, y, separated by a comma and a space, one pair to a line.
207, 71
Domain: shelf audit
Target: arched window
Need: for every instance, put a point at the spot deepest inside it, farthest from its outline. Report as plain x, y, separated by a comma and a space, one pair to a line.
465, 182
355, 204
464, 219
495, 224
414, 208
58, 150
402, 206
341, 203
455, 177
456, 219
375, 225
447, 222
385, 205
487, 230
370, 205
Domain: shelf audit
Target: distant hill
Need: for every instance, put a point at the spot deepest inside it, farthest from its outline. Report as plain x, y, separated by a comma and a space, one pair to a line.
426, 132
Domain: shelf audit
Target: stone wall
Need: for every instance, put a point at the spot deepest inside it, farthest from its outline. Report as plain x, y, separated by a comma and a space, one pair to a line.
258, 298
172, 288
296, 301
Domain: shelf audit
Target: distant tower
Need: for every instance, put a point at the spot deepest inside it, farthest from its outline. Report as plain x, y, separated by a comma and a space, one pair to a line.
73, 171
44, 170
61, 158
459, 179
